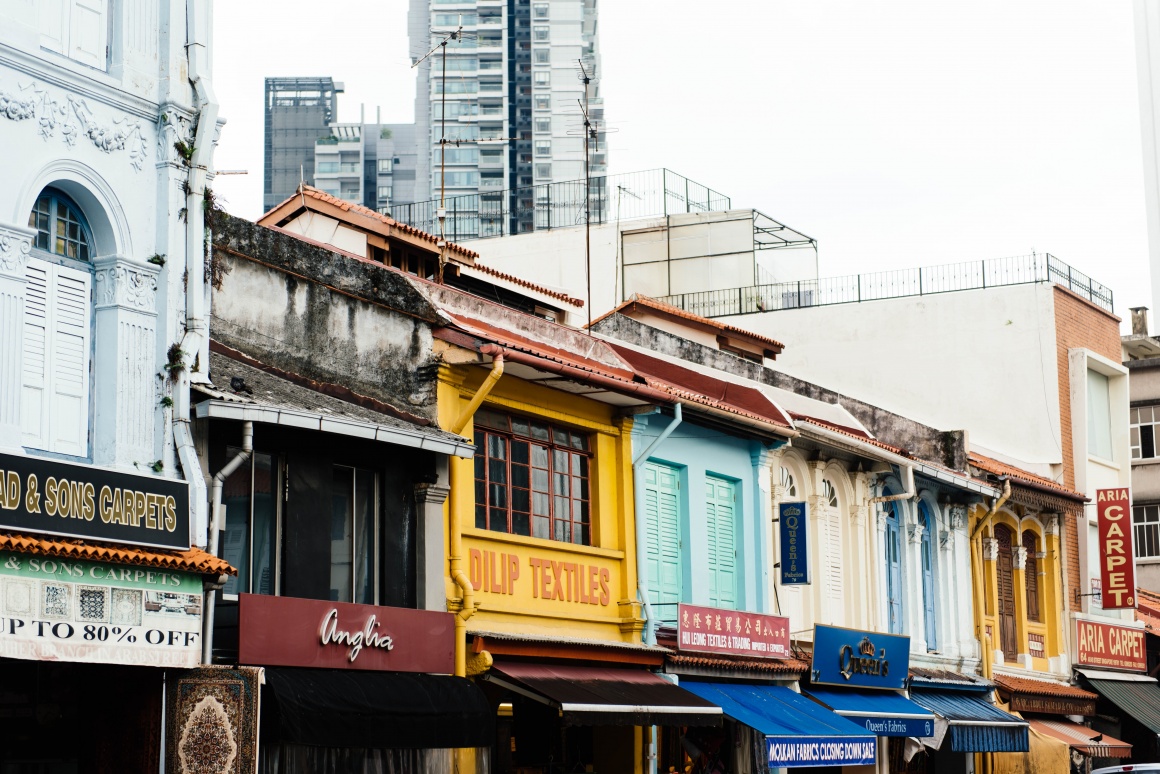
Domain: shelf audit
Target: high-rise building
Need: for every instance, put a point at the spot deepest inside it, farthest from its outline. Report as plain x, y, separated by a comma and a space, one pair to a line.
507, 94
299, 112
372, 164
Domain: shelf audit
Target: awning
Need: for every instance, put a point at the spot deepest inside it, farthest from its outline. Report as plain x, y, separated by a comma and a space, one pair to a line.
594, 696
1138, 700
1083, 739
328, 708
886, 713
976, 725
798, 731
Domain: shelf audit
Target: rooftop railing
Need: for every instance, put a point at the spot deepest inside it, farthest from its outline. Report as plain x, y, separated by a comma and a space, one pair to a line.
901, 283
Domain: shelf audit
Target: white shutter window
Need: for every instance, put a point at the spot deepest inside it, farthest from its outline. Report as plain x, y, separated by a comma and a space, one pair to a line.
89, 32
52, 17
834, 554
55, 398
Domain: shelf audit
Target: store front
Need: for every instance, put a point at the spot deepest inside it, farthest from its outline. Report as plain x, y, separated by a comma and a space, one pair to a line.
88, 611
1049, 708
1112, 661
354, 687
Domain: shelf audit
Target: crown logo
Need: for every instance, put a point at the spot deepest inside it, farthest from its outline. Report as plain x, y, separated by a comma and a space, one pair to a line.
866, 648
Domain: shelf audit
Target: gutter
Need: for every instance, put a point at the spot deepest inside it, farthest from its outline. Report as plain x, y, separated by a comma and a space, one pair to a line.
215, 530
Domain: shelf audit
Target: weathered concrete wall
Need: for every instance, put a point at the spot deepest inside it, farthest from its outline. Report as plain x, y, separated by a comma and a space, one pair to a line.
945, 447
324, 316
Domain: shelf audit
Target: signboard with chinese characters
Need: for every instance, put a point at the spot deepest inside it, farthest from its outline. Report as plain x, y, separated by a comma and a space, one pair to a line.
56, 609
858, 659
820, 751
1117, 561
1108, 646
287, 631
794, 528
61, 498
712, 630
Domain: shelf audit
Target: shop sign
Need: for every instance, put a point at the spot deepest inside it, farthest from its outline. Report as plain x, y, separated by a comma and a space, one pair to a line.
859, 659
916, 727
821, 751
1110, 647
1117, 563
54, 609
1059, 705
287, 631
794, 528
497, 572
712, 630
82, 501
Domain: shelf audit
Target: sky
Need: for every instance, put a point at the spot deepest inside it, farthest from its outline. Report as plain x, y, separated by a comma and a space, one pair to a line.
896, 133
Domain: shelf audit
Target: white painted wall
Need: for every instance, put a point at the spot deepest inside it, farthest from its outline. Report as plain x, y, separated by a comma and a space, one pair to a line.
1147, 14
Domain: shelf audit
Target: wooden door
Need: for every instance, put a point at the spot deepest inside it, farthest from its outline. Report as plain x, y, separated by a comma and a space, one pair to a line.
1004, 572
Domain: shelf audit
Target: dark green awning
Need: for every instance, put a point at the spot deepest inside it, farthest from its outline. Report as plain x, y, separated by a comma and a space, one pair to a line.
1138, 699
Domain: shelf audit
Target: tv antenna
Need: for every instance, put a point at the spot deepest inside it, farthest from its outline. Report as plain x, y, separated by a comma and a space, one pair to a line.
590, 137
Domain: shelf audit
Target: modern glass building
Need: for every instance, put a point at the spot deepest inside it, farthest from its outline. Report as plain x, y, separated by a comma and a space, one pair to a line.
299, 111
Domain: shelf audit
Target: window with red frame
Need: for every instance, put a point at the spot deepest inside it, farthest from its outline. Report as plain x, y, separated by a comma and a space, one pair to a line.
531, 478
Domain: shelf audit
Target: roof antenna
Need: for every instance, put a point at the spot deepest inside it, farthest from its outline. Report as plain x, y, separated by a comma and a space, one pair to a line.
589, 135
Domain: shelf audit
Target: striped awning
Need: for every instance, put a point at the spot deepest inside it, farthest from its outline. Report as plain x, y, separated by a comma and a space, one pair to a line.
1083, 739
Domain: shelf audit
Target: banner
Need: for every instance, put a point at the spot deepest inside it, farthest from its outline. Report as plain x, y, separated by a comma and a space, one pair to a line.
62, 498
1109, 646
711, 630
815, 751
67, 610
858, 659
1117, 560
794, 528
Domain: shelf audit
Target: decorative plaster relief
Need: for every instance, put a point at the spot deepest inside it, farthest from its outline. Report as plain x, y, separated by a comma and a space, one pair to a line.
990, 549
946, 540
914, 532
14, 250
73, 117
128, 285
958, 516
1050, 523
1019, 558
174, 127
881, 521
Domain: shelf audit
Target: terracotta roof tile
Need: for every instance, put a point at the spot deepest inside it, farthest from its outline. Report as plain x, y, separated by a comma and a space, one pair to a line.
1148, 609
673, 311
855, 434
988, 465
926, 675
193, 560
776, 666
1041, 688
567, 299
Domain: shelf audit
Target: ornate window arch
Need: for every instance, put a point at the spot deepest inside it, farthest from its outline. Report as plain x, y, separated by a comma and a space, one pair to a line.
61, 228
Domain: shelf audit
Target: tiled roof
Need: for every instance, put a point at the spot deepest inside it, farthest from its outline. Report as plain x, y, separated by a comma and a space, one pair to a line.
672, 311
567, 299
988, 465
345, 206
1041, 688
773, 666
193, 560
1148, 609
945, 676
855, 434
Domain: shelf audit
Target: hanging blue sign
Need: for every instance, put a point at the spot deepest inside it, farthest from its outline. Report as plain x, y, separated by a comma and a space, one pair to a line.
820, 751
859, 659
794, 528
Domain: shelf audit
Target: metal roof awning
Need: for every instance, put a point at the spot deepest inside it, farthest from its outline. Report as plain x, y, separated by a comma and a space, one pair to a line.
798, 731
975, 724
1139, 700
596, 696
1083, 739
885, 713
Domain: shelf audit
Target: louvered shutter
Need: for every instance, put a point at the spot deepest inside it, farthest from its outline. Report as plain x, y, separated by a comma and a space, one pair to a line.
719, 512
833, 544
55, 394
663, 538
89, 31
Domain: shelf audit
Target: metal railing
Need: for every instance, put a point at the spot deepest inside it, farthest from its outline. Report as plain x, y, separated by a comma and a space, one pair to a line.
654, 193
929, 280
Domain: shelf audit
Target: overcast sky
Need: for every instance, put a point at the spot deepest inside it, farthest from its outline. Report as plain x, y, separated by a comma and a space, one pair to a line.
897, 134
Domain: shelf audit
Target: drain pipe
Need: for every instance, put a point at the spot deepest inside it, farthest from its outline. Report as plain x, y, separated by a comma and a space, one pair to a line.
908, 486
215, 529
458, 487
638, 501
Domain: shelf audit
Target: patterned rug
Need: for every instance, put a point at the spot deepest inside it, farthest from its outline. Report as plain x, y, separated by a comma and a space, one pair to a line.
212, 721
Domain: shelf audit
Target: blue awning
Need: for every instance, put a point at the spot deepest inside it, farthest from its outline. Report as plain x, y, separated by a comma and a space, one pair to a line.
976, 725
886, 713
798, 731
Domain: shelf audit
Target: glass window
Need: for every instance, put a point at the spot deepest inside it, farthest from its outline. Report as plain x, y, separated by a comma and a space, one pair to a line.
542, 101
1143, 431
542, 55
453, 20
1099, 419
829, 494
60, 227
458, 64
788, 487
540, 34
323, 167
543, 171
458, 155
540, 10
462, 179
543, 147
455, 87
542, 77
1146, 520
543, 124
385, 192
456, 109
353, 535
386, 166
531, 478
249, 542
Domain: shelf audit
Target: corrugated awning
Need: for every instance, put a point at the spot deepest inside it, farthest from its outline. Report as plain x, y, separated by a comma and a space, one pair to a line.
595, 696
798, 731
976, 725
1139, 700
885, 713
1083, 739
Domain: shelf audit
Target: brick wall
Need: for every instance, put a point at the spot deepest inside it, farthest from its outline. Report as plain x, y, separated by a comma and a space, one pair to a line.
1078, 324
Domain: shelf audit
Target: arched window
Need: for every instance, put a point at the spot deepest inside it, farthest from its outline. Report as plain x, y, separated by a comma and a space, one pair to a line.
930, 620
829, 494
1031, 575
57, 328
1005, 577
893, 547
831, 542
788, 487
60, 227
